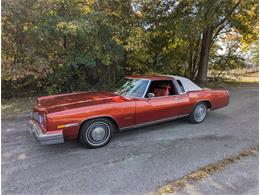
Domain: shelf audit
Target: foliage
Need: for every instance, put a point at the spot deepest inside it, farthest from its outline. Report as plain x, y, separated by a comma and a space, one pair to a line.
53, 46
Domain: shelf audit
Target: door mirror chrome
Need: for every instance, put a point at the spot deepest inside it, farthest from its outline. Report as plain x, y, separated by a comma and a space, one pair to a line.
150, 95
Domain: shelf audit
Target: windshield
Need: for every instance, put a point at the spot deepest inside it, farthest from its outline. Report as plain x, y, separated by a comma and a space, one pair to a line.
131, 87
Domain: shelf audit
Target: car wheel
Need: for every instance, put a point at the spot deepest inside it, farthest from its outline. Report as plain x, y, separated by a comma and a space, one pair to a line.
199, 113
96, 133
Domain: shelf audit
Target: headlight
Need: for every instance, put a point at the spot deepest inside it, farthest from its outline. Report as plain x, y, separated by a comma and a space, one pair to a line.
42, 120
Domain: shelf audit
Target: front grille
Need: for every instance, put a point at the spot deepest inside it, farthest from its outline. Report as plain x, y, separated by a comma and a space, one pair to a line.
35, 116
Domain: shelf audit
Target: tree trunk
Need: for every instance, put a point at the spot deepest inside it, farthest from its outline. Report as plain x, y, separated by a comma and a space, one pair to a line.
188, 71
124, 63
65, 42
204, 56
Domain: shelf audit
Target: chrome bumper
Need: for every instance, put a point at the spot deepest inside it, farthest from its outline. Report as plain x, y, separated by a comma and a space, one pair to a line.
44, 138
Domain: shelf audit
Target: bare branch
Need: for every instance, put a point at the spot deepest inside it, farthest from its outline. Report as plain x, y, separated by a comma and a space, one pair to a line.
224, 22
228, 15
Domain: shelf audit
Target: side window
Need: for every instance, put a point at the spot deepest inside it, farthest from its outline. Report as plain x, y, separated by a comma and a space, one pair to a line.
161, 88
181, 86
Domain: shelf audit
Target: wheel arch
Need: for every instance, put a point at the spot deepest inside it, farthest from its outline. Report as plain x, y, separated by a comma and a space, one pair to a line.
207, 102
99, 117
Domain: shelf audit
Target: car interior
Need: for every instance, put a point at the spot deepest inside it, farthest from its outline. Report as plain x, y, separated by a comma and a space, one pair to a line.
161, 88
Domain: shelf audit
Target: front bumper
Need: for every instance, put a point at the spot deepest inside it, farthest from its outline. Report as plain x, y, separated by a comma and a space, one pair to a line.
45, 138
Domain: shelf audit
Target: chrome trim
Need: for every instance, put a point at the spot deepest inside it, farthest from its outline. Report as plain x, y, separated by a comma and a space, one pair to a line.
156, 97
153, 122
91, 140
71, 125
200, 113
147, 87
44, 138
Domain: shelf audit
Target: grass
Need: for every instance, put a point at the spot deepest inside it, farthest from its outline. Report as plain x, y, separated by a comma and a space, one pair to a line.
230, 83
238, 78
205, 172
15, 106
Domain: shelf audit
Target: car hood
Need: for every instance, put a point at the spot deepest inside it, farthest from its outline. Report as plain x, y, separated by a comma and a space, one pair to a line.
56, 103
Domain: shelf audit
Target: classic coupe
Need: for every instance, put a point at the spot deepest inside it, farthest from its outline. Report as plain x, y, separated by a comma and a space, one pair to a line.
93, 117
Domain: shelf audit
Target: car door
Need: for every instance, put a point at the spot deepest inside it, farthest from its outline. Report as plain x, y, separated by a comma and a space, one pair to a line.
160, 108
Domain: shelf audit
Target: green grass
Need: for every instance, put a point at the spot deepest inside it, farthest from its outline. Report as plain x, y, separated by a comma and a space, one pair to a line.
238, 78
16, 105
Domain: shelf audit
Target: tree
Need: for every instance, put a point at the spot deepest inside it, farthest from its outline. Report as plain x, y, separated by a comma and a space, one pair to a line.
65, 45
220, 15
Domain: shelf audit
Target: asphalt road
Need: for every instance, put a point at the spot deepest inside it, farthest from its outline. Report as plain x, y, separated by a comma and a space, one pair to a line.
240, 178
134, 162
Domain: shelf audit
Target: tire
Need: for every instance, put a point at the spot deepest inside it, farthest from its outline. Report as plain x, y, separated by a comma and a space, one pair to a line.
96, 133
199, 113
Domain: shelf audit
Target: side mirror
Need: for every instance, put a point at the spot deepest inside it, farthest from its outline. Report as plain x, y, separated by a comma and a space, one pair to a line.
150, 95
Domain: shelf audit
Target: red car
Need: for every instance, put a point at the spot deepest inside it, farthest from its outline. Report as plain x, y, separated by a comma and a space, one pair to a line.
94, 117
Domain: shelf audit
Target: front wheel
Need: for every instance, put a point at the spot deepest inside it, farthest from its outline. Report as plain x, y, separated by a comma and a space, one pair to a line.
199, 113
96, 132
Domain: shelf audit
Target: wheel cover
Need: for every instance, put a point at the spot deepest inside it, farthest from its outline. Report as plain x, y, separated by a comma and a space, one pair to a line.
98, 133
200, 113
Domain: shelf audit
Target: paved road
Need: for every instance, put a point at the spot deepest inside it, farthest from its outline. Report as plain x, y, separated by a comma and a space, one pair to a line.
240, 178
134, 162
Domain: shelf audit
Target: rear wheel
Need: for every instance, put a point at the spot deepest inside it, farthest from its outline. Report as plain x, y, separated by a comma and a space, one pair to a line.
199, 113
96, 132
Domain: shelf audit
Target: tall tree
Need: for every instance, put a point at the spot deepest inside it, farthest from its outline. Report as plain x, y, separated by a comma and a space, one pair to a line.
218, 16
66, 45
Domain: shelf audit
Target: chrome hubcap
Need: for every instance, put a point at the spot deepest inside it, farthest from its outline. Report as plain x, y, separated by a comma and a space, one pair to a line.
200, 113
98, 132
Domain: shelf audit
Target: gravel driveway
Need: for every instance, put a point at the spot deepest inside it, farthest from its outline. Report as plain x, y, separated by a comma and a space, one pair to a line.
134, 162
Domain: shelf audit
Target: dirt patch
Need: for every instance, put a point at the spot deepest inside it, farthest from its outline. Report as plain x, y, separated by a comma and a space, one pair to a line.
205, 172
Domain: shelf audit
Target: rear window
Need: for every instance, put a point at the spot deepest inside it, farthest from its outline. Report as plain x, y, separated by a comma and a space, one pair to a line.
181, 86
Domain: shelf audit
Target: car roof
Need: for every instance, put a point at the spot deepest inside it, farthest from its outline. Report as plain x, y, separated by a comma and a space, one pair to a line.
151, 77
